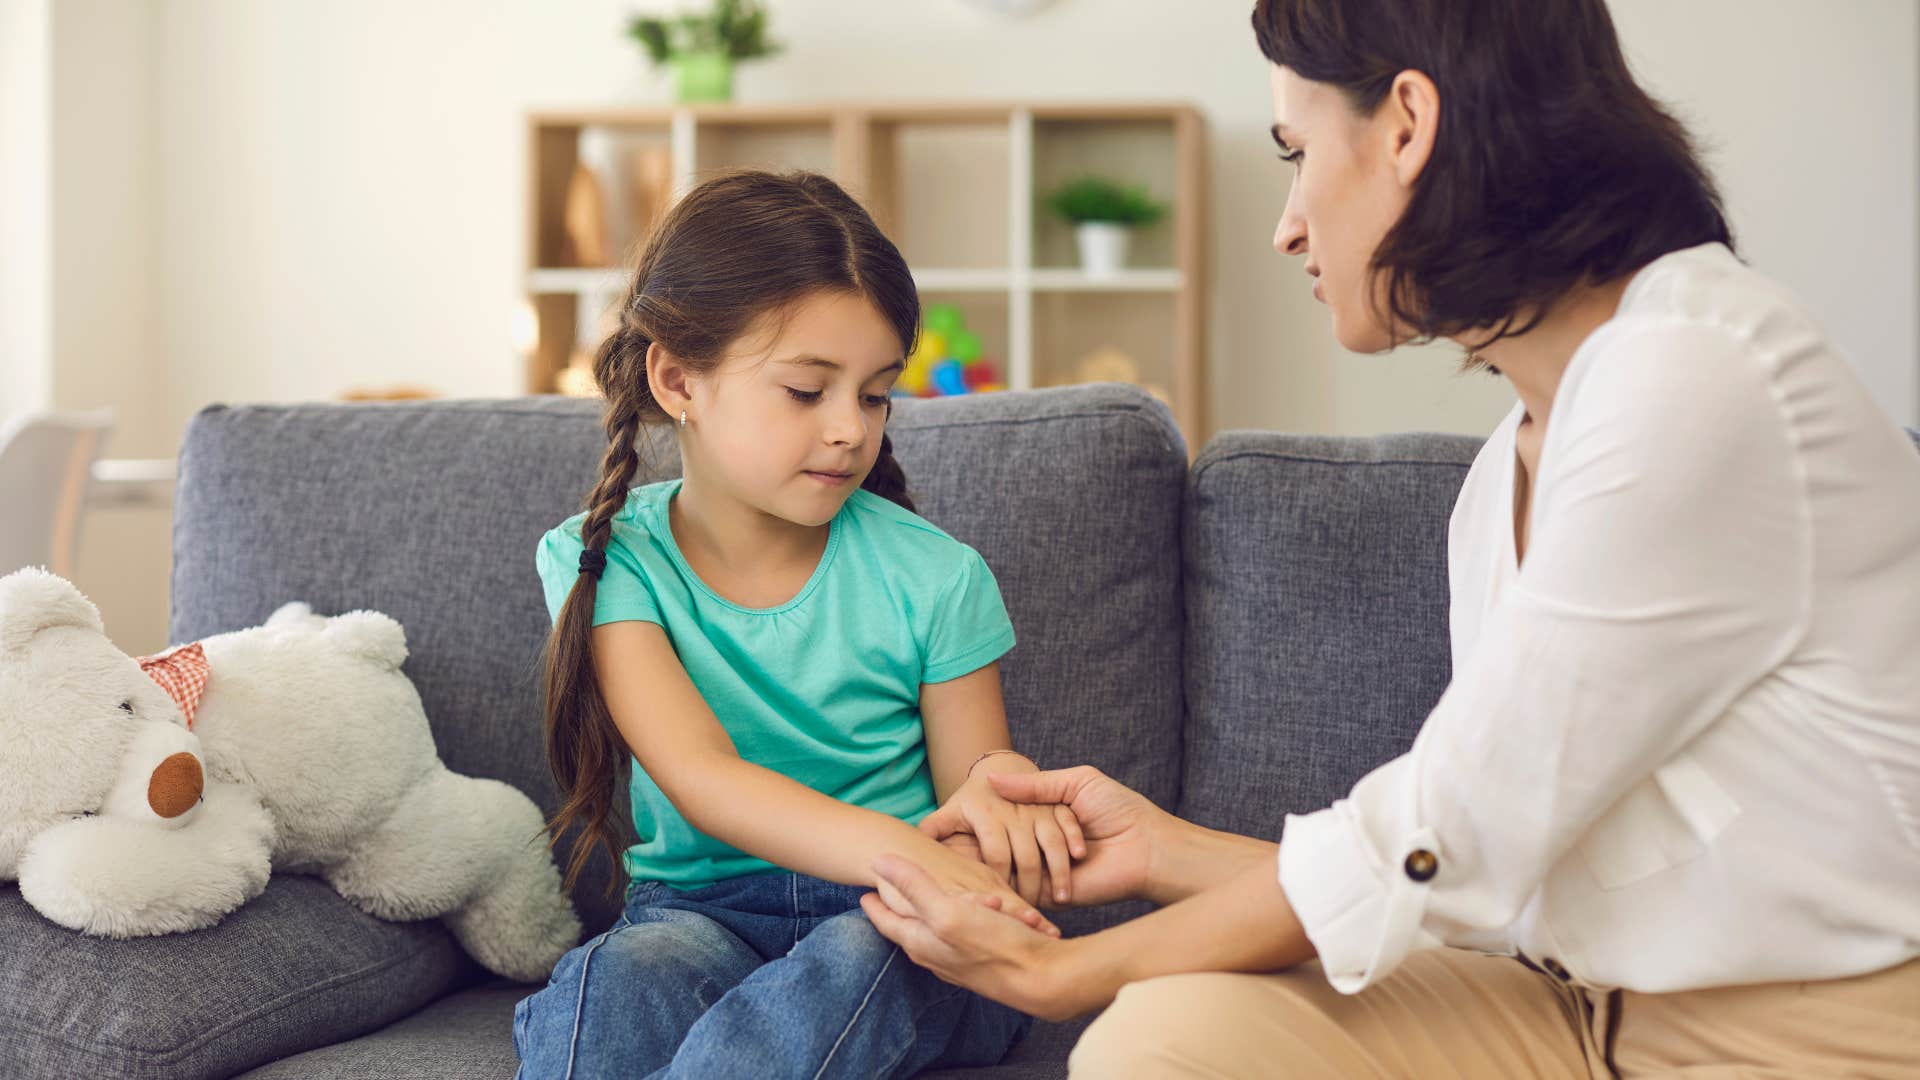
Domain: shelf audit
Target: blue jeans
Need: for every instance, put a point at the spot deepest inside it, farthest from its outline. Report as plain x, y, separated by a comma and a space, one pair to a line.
769, 975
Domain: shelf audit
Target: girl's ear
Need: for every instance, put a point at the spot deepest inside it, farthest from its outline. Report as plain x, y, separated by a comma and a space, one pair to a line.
669, 380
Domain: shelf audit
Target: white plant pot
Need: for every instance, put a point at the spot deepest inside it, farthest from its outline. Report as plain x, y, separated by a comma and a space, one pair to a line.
1103, 247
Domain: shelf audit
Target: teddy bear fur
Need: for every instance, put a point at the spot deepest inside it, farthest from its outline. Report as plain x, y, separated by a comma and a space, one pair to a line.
318, 760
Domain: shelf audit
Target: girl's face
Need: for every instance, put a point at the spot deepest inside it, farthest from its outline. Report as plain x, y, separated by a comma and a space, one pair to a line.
790, 422
1350, 185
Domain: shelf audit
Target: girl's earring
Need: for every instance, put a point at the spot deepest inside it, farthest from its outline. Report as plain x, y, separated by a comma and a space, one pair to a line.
683, 418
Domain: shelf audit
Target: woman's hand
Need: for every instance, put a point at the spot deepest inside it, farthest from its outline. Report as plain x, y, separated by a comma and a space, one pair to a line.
968, 944
1030, 847
1120, 828
1242, 923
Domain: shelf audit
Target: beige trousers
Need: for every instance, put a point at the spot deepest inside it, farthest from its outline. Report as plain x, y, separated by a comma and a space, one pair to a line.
1453, 1013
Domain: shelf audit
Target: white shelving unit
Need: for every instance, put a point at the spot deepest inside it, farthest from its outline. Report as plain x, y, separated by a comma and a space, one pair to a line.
928, 174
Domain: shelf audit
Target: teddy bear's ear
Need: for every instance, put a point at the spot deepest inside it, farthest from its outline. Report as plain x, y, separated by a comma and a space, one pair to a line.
369, 634
33, 599
293, 612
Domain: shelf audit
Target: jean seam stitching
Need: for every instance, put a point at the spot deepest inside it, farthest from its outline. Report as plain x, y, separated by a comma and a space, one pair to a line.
855, 1018
580, 1003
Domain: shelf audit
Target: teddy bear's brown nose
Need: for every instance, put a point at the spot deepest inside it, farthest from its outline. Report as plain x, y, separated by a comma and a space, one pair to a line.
176, 785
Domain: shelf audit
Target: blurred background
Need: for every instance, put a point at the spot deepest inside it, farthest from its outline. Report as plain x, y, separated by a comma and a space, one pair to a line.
272, 200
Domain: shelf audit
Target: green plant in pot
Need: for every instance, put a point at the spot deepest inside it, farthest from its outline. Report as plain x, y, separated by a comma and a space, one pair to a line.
1103, 214
700, 48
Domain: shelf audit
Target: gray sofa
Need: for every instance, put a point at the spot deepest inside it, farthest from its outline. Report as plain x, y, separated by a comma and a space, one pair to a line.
1237, 640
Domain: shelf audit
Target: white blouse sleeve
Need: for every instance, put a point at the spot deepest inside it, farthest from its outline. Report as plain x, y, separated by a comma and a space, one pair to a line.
1669, 570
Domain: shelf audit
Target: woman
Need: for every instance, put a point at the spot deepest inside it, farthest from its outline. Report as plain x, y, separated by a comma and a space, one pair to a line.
1667, 814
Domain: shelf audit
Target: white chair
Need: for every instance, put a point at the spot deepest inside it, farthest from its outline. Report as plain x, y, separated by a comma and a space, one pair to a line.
46, 460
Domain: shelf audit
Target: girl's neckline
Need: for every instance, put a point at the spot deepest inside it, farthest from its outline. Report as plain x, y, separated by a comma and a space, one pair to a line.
663, 527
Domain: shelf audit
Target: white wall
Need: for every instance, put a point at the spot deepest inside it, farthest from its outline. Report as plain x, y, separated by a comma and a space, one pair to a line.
321, 230
1811, 116
342, 184
277, 199
1810, 121
26, 313
106, 342
107, 345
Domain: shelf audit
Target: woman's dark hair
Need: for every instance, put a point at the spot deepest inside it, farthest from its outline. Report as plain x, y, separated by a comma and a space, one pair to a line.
1551, 168
737, 251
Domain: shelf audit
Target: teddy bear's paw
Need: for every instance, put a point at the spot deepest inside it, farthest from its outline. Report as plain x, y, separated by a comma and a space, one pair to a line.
112, 877
523, 924
472, 852
519, 923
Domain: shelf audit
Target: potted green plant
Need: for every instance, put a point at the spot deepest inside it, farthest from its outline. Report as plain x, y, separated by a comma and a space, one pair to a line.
700, 48
1103, 214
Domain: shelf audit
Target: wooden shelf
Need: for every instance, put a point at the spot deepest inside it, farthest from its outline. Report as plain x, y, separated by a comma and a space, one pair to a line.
576, 279
1130, 280
956, 185
587, 279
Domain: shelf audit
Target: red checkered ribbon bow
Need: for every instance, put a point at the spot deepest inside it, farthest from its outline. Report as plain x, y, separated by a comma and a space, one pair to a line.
182, 673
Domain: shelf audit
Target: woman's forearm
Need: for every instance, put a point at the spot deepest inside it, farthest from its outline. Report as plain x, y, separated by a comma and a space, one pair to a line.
790, 825
1241, 924
1188, 859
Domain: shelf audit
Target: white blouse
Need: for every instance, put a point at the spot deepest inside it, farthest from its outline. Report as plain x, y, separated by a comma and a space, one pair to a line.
1681, 747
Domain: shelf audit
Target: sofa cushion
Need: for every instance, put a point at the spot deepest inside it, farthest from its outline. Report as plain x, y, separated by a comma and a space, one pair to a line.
1316, 583
467, 1036
430, 511
295, 968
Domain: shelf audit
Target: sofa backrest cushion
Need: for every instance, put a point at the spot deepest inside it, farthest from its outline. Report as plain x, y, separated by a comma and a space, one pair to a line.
1316, 584
430, 512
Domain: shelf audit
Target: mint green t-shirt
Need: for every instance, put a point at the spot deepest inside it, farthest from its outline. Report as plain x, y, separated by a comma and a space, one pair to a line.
824, 688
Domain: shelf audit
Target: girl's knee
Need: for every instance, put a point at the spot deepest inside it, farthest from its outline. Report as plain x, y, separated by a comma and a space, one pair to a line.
676, 962
678, 955
847, 943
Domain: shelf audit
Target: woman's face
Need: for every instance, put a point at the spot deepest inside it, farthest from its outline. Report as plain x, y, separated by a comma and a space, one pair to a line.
1350, 185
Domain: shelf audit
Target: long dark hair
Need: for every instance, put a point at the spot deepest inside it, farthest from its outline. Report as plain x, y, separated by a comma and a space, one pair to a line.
1552, 168
740, 247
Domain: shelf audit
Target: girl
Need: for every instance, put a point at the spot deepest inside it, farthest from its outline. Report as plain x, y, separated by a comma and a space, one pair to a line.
801, 668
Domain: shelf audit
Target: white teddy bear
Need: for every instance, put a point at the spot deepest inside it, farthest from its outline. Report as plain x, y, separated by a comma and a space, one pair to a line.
153, 796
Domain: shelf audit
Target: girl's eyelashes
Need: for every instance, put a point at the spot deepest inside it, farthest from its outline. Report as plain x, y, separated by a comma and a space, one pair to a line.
808, 397
1292, 157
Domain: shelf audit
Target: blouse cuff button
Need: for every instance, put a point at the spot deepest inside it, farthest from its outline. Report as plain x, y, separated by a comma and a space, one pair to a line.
1421, 865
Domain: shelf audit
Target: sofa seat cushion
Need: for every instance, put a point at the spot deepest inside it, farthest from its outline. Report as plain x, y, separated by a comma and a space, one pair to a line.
468, 1036
465, 1036
295, 968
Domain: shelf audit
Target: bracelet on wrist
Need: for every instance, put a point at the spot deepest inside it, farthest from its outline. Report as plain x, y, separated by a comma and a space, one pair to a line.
983, 757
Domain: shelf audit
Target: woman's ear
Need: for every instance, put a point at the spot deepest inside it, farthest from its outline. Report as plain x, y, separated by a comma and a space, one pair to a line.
669, 380
1412, 111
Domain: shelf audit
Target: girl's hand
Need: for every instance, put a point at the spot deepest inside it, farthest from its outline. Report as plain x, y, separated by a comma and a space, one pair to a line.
1030, 847
987, 952
966, 878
